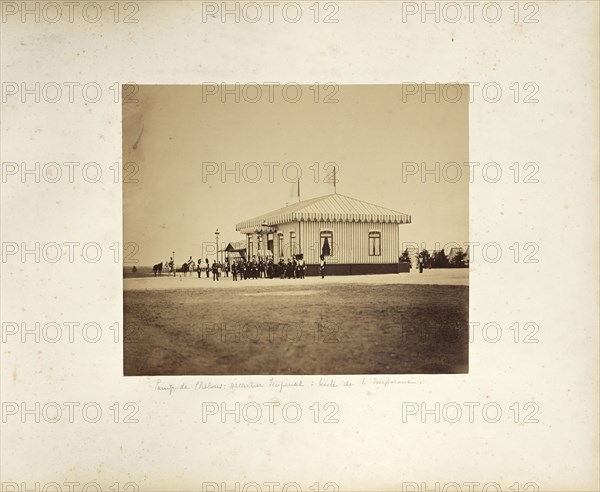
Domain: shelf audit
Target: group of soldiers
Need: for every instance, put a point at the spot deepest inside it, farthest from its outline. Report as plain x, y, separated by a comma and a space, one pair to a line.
266, 268
244, 269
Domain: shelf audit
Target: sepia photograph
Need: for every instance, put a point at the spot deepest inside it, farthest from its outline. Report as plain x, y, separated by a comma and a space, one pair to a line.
295, 229
323, 246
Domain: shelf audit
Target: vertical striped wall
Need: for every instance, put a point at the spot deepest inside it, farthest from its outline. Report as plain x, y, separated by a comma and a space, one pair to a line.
350, 242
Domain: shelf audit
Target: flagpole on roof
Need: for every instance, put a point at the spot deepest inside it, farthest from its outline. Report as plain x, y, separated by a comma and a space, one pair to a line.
298, 189
334, 181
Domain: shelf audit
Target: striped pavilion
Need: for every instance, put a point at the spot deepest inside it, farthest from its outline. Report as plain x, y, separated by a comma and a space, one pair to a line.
355, 237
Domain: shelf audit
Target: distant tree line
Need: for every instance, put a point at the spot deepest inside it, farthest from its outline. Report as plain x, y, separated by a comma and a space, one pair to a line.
437, 260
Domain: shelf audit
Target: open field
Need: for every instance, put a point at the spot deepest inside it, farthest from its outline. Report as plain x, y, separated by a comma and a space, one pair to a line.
380, 324
145, 280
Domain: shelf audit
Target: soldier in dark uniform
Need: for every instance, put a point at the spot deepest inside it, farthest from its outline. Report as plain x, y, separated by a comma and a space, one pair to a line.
301, 265
215, 270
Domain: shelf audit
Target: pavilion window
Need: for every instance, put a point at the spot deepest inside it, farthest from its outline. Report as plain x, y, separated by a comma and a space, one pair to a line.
374, 243
270, 242
280, 237
292, 243
327, 243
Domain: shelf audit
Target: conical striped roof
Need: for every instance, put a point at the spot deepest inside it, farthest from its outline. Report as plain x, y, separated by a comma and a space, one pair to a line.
328, 208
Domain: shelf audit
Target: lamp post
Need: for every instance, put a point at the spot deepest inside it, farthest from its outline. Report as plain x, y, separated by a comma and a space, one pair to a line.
217, 244
258, 237
266, 226
174, 266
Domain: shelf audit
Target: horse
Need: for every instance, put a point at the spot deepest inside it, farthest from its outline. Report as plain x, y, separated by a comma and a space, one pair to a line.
157, 269
185, 268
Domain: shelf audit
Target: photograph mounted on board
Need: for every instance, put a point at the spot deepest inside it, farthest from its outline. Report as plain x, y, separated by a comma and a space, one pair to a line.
287, 229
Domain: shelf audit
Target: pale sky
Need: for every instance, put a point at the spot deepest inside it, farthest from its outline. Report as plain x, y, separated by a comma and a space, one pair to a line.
368, 133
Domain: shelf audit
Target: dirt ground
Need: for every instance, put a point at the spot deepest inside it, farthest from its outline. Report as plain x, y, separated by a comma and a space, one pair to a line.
295, 327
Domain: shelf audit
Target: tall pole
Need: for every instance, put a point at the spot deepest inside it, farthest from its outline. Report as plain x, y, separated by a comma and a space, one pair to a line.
334, 181
299, 237
217, 245
174, 265
298, 189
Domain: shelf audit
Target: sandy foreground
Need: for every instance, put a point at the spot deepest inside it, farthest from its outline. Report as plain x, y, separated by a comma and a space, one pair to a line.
295, 327
453, 276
